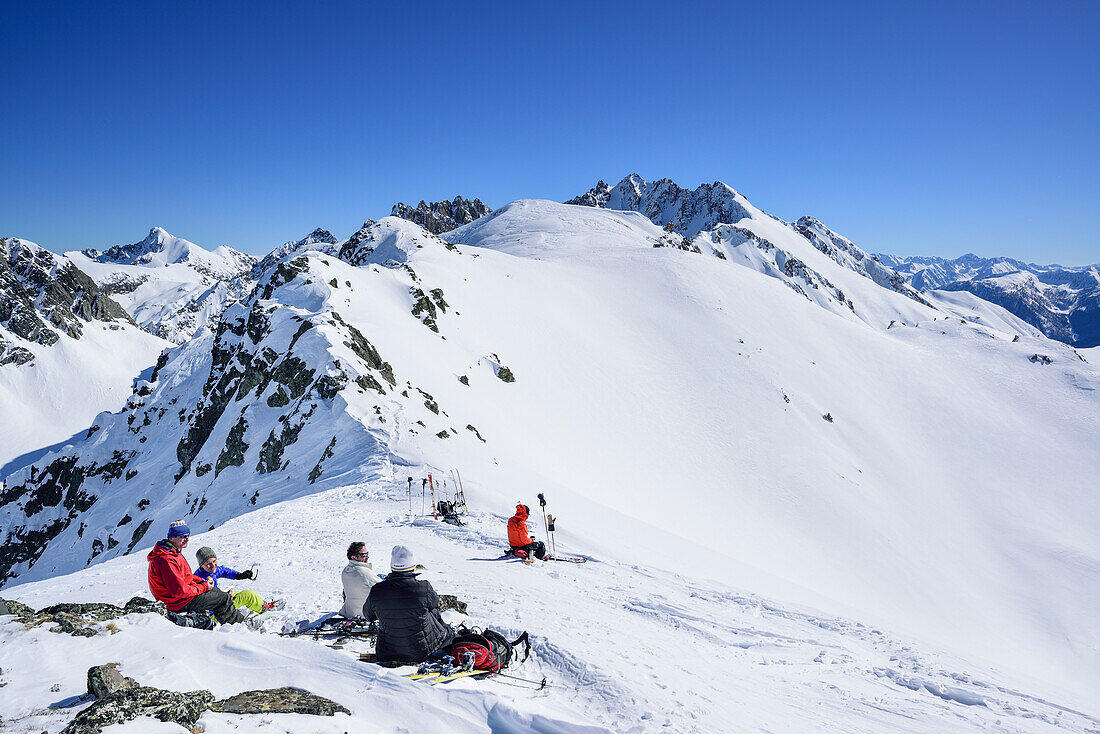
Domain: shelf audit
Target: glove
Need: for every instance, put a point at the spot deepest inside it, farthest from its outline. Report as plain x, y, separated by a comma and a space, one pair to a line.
245, 574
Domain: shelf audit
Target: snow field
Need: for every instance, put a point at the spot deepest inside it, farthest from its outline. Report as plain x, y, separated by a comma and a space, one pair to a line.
622, 646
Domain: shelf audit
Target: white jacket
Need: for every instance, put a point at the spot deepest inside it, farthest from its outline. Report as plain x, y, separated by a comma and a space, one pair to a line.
358, 577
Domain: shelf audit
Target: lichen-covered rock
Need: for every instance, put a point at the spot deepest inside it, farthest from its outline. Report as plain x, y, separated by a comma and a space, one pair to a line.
278, 701
449, 601
130, 703
92, 611
120, 699
104, 681
141, 605
19, 609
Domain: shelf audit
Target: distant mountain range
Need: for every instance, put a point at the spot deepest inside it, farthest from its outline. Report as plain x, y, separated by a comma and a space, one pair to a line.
1062, 302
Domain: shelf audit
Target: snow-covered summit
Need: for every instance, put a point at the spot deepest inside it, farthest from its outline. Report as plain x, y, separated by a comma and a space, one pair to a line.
389, 241
319, 239
689, 211
159, 249
171, 287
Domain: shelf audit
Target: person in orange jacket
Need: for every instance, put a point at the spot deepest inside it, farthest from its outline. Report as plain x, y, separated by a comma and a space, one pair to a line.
520, 539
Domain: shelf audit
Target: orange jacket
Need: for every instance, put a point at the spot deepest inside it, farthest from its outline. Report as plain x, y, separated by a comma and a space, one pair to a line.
517, 528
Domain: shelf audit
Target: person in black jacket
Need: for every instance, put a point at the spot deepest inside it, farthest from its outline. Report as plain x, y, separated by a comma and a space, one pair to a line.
407, 609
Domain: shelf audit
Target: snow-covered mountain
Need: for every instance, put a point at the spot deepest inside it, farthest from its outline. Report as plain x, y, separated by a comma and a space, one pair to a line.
703, 426
1063, 302
441, 216
67, 350
171, 287
715, 213
319, 239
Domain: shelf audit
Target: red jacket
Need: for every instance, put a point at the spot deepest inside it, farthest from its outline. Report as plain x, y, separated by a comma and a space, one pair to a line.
170, 578
517, 529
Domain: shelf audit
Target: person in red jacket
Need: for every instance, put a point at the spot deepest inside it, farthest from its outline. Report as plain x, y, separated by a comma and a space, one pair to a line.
172, 582
520, 539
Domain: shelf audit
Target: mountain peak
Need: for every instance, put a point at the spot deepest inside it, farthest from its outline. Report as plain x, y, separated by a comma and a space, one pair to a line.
689, 211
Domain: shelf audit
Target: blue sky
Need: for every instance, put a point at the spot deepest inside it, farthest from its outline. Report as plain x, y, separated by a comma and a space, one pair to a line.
914, 128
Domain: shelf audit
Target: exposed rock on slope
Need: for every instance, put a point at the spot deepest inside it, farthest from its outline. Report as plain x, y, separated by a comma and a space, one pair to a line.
44, 296
442, 216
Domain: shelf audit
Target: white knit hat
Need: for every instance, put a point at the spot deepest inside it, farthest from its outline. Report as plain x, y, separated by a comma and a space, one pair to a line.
401, 559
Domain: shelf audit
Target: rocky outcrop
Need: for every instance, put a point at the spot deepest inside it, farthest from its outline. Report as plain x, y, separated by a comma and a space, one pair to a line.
689, 211
43, 296
319, 239
442, 216
845, 253
120, 699
278, 701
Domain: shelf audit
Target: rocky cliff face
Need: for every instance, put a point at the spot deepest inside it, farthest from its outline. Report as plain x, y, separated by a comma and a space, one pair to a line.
844, 251
43, 297
442, 216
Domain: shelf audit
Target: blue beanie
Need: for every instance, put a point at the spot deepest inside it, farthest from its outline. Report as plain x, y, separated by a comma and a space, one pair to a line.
178, 528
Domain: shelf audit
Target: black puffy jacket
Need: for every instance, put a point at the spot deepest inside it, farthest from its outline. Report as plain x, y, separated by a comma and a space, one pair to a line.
407, 610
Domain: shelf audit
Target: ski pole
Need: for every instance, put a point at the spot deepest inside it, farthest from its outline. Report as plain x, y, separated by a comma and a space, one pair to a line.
409, 494
423, 482
545, 525
553, 544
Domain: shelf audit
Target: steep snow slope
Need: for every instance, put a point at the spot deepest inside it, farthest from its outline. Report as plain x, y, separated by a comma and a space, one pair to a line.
171, 287
968, 306
67, 351
672, 404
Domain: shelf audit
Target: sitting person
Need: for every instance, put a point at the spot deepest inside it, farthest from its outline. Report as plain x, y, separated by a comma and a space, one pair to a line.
209, 569
411, 629
358, 577
520, 539
171, 580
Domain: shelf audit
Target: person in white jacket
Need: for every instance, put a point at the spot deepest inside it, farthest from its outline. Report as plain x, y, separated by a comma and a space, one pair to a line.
358, 576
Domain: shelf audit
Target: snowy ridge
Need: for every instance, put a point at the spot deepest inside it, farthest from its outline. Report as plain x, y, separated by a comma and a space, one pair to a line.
320, 240
843, 251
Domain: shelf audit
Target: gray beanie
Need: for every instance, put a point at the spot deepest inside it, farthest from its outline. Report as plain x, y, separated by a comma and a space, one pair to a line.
205, 553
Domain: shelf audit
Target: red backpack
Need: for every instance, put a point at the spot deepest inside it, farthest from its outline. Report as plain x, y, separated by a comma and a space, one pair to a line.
490, 650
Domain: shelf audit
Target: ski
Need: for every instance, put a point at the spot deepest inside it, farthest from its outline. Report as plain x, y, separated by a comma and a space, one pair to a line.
567, 559
456, 676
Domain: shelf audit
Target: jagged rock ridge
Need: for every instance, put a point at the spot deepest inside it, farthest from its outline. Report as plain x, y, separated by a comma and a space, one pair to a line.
442, 216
